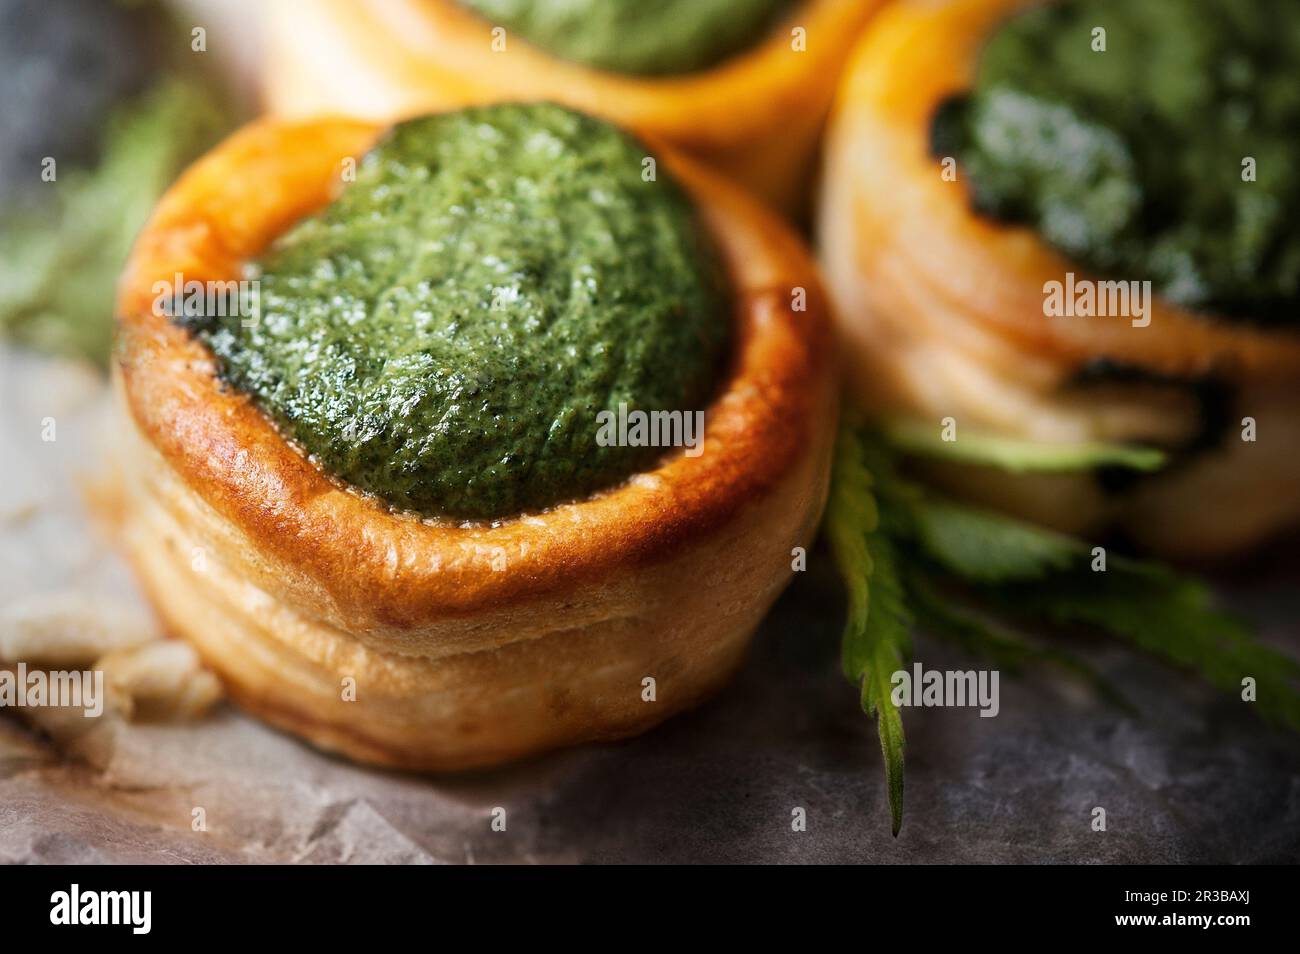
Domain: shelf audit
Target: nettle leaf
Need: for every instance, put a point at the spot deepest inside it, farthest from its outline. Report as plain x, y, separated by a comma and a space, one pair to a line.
1174, 618
875, 654
877, 635
1030, 572
59, 262
987, 547
1019, 456
971, 629
981, 578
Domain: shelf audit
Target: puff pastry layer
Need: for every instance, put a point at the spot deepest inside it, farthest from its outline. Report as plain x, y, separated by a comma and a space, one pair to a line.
465, 645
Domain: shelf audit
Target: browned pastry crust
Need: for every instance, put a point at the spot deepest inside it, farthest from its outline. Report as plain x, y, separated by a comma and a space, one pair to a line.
468, 644
756, 116
941, 313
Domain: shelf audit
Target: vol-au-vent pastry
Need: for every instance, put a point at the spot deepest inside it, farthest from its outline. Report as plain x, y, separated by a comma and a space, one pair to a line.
1072, 225
510, 449
743, 84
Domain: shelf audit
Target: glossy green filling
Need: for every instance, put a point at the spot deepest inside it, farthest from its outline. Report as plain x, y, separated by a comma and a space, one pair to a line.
636, 36
1137, 160
445, 333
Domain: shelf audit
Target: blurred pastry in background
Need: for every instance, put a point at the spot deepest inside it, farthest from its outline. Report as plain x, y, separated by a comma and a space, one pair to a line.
1072, 226
742, 84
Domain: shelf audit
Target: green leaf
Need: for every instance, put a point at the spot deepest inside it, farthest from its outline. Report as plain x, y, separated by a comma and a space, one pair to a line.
877, 634
59, 263
1019, 456
944, 616
1035, 573
987, 547
1172, 617
900, 550
872, 654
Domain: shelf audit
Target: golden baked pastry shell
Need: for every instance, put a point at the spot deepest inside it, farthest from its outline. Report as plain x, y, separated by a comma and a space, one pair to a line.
433, 644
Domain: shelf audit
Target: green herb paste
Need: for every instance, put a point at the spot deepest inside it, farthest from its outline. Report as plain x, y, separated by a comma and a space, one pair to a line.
445, 333
1135, 160
636, 36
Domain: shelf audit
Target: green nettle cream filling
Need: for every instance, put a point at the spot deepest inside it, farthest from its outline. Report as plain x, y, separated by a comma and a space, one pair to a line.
1151, 140
447, 333
636, 36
